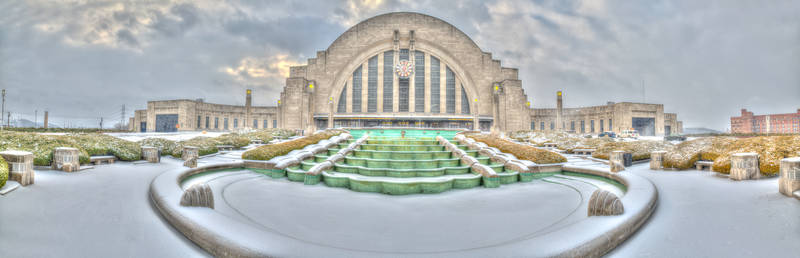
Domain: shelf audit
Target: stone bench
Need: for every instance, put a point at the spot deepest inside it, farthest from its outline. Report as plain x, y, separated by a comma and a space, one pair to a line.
550, 145
256, 142
97, 160
702, 164
583, 151
224, 147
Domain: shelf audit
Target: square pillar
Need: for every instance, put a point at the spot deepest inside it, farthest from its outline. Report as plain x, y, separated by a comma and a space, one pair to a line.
744, 166
20, 166
66, 159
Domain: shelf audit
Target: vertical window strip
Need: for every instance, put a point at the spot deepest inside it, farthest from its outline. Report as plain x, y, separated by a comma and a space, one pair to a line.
419, 81
342, 106
388, 79
357, 90
450, 90
372, 85
403, 86
464, 101
435, 85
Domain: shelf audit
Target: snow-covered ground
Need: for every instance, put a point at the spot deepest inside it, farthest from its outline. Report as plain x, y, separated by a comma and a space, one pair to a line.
176, 136
704, 214
106, 212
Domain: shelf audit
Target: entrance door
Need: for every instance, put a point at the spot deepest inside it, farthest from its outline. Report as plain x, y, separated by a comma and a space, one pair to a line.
166, 123
143, 127
645, 126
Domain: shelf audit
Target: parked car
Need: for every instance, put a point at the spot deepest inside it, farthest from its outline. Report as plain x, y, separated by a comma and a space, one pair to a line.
675, 137
607, 134
629, 134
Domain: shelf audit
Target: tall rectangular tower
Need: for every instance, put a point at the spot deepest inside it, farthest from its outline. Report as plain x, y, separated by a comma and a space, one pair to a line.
559, 109
248, 103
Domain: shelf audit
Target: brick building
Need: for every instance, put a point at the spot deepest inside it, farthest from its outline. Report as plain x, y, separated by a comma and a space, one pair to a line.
773, 123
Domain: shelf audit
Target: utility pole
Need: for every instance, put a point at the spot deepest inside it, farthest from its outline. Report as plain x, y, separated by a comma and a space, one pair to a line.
3, 109
122, 118
35, 118
8, 121
101, 123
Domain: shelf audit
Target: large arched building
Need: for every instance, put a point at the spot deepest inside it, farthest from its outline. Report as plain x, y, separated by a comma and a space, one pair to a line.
406, 70
403, 69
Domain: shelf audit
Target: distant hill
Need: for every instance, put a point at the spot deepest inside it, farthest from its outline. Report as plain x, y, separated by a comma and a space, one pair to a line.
700, 130
28, 123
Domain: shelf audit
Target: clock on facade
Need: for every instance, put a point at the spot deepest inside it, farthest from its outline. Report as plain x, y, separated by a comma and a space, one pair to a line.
404, 69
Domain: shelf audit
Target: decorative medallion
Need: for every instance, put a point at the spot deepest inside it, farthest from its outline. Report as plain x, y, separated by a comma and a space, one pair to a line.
404, 69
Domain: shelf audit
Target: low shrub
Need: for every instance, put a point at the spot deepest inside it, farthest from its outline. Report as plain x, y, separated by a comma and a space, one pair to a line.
524, 152
640, 150
101, 144
270, 151
40, 145
166, 146
3, 172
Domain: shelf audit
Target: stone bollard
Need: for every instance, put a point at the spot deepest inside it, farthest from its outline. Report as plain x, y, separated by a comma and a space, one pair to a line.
790, 176
617, 161
190, 152
657, 160
20, 166
744, 166
66, 159
151, 154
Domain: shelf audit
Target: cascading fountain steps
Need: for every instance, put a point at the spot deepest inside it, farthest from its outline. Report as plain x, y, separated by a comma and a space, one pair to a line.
406, 196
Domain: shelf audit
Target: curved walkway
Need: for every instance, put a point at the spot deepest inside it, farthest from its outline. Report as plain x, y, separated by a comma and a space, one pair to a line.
703, 214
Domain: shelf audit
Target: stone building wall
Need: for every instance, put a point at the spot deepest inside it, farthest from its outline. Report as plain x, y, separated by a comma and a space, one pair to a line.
331, 71
197, 115
620, 114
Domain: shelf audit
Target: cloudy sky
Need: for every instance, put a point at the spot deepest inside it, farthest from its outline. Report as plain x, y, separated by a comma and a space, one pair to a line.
704, 60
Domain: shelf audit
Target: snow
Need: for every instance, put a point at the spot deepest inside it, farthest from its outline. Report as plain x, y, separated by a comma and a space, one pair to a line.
102, 212
176, 136
704, 214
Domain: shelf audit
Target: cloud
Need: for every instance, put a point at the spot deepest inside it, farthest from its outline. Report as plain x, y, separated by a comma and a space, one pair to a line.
703, 59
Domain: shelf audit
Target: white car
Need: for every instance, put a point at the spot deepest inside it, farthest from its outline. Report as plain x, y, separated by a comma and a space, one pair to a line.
629, 134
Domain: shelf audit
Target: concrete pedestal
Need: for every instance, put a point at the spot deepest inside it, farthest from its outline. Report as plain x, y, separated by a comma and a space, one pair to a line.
66, 159
617, 161
20, 166
657, 160
790, 176
744, 166
151, 154
190, 152
604, 203
198, 195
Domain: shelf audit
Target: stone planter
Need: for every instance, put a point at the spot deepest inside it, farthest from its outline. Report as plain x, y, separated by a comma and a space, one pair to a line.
20, 166
617, 161
66, 159
190, 152
151, 154
789, 181
657, 160
744, 166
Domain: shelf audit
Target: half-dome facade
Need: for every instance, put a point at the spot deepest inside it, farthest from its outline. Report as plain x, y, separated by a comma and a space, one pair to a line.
403, 70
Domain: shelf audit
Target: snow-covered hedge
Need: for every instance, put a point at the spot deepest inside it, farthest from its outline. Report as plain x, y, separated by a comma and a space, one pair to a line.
3, 172
640, 150
523, 152
270, 151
